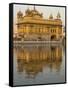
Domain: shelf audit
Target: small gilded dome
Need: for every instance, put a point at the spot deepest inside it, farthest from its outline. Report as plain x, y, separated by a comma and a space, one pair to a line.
51, 16
19, 14
27, 11
58, 16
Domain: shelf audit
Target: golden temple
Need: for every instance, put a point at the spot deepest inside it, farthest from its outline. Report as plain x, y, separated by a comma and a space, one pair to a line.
34, 27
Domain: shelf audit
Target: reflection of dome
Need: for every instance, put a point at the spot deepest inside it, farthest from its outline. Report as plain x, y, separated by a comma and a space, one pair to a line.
49, 57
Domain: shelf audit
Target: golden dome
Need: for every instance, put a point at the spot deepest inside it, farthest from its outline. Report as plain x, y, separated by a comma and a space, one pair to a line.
58, 16
32, 12
51, 16
19, 14
27, 11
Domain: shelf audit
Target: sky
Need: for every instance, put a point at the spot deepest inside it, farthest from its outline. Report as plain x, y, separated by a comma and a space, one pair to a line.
46, 10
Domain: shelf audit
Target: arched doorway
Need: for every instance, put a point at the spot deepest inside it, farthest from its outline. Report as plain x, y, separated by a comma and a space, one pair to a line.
53, 37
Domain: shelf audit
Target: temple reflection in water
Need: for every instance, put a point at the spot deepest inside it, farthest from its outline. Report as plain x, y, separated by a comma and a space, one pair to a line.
33, 59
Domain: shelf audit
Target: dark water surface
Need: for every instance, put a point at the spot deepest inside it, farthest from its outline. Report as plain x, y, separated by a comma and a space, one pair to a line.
39, 64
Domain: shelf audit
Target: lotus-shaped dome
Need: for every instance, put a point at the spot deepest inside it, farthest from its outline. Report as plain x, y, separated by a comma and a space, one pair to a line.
51, 16
19, 14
